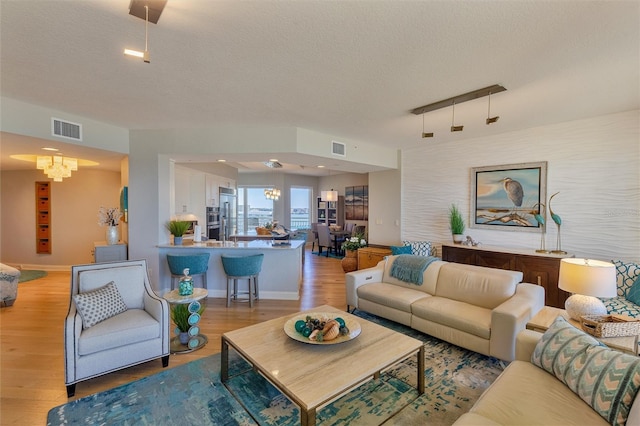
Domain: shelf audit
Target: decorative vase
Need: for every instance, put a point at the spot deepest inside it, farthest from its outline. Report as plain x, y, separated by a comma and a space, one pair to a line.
113, 235
177, 241
183, 337
350, 261
458, 238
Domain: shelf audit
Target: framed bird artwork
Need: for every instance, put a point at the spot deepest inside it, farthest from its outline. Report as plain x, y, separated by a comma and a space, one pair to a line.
509, 197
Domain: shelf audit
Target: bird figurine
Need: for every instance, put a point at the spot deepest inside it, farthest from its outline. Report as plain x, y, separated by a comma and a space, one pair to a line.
558, 222
539, 217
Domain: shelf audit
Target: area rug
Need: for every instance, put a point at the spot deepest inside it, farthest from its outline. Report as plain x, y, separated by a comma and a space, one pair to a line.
331, 255
193, 394
31, 274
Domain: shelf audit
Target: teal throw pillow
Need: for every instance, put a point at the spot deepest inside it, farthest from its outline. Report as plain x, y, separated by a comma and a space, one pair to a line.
606, 379
633, 294
400, 250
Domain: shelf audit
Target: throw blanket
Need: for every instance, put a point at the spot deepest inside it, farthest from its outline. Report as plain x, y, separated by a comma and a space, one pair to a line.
409, 268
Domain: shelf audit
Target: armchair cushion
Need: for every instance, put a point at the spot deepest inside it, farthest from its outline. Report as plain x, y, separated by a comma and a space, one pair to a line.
98, 305
127, 328
626, 274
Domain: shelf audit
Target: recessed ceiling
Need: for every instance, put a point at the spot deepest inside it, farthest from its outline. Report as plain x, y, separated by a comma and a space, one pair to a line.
353, 69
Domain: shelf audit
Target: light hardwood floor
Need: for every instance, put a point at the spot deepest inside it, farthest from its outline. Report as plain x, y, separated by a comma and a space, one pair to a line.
31, 338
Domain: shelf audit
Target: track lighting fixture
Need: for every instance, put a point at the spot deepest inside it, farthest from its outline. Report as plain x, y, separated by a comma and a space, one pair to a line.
487, 91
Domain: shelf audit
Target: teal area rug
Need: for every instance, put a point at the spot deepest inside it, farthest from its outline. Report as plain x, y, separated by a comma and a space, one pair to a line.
324, 253
193, 394
31, 274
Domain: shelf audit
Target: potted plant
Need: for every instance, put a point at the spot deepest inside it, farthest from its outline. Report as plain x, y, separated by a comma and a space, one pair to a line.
456, 223
350, 247
180, 316
177, 228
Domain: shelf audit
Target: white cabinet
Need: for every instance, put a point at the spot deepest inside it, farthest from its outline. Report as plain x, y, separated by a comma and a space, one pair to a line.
102, 252
182, 194
211, 190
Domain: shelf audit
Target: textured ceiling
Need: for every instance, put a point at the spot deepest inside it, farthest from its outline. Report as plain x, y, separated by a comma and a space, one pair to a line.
351, 69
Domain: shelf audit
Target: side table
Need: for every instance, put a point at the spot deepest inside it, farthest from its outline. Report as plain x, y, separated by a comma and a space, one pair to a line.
196, 339
543, 319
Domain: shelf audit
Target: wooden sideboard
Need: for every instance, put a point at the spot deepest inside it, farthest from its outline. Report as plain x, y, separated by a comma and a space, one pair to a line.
368, 257
537, 268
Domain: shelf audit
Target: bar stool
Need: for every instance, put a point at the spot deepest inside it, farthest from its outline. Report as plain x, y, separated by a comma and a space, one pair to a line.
242, 267
197, 264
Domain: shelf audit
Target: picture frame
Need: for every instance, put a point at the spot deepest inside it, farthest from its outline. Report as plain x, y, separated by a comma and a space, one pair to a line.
356, 202
505, 197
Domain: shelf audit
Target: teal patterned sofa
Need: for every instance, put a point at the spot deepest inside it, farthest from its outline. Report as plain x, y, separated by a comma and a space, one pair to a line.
628, 274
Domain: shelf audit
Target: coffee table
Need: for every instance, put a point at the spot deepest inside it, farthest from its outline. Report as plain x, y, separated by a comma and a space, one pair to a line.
313, 375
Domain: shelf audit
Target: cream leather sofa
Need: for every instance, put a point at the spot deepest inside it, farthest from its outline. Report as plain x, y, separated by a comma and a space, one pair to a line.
481, 309
525, 394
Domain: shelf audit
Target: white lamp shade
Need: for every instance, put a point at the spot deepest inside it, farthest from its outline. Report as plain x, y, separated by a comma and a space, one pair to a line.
329, 195
588, 277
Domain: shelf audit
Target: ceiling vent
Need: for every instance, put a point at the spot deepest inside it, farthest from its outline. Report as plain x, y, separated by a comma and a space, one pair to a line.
338, 148
66, 129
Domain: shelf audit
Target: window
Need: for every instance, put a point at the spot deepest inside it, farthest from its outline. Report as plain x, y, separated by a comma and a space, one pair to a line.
300, 217
253, 208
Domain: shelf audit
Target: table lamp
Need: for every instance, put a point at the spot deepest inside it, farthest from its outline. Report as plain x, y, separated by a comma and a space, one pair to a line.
587, 279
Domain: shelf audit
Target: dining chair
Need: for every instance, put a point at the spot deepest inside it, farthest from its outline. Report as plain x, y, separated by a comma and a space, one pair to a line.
324, 239
314, 230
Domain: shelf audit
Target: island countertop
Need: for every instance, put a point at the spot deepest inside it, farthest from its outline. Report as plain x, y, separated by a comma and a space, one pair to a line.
280, 276
255, 244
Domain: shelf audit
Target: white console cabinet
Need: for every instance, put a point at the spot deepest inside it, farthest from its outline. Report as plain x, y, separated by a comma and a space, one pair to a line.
102, 252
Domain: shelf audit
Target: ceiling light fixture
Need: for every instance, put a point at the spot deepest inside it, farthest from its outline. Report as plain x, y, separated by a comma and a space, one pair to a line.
144, 55
490, 119
425, 135
486, 91
454, 128
57, 166
272, 193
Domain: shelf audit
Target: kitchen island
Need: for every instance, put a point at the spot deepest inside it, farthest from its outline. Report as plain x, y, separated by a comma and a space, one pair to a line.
280, 276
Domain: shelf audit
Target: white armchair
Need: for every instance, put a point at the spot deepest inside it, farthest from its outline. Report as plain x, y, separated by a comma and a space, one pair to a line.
138, 334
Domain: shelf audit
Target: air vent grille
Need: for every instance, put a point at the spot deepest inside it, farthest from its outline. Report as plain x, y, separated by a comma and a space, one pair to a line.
338, 148
66, 129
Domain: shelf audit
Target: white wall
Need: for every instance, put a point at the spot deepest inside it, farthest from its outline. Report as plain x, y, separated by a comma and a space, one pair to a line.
593, 163
74, 214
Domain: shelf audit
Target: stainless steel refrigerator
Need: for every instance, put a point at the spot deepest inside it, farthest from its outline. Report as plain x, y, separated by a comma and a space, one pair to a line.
228, 219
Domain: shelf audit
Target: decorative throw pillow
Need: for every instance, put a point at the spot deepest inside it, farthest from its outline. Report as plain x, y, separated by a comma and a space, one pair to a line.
633, 294
605, 379
627, 273
419, 248
400, 250
98, 305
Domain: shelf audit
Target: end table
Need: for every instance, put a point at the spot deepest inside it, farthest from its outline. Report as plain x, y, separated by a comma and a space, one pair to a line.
543, 319
196, 339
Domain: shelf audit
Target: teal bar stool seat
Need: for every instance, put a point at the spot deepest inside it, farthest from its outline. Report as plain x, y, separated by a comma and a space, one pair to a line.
198, 264
242, 267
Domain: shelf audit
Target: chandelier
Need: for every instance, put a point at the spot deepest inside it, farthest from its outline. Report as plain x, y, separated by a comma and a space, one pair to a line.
57, 167
272, 193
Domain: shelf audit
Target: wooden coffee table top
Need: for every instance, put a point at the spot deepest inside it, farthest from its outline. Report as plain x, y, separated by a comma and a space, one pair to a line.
312, 375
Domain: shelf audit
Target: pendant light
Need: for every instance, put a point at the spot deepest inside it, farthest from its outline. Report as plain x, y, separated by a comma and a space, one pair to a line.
329, 195
454, 128
425, 135
490, 119
144, 55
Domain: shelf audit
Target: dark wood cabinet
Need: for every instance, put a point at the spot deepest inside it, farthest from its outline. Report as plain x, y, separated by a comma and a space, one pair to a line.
540, 269
43, 217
